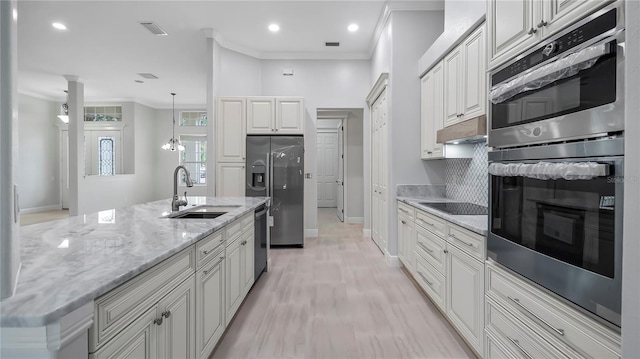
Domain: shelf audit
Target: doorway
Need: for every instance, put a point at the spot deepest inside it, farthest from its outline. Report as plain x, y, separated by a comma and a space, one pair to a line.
329, 166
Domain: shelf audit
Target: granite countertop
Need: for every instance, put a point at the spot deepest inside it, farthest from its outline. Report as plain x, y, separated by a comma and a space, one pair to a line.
478, 224
70, 262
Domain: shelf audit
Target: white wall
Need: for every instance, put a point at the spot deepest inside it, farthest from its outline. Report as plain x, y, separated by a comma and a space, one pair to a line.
239, 74
631, 244
39, 165
355, 166
323, 84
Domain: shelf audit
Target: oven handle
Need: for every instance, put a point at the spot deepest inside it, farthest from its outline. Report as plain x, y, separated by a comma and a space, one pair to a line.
543, 75
550, 170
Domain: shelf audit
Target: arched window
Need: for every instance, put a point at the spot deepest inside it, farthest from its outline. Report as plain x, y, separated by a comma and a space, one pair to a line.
106, 156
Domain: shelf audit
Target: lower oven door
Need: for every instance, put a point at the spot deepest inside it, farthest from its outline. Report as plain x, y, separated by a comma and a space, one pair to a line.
559, 223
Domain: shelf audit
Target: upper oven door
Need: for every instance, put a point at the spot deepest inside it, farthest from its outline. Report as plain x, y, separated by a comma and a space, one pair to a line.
573, 94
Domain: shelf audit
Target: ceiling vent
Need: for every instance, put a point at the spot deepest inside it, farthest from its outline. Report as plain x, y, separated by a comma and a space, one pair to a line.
148, 76
153, 28
332, 44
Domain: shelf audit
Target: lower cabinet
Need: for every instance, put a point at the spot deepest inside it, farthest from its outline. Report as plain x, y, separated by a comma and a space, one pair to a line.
210, 310
230, 179
238, 271
247, 256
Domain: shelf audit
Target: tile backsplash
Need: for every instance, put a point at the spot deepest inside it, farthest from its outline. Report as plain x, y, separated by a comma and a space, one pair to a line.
467, 179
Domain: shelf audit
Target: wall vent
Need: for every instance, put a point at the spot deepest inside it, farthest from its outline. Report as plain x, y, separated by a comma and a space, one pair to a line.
148, 76
331, 44
153, 28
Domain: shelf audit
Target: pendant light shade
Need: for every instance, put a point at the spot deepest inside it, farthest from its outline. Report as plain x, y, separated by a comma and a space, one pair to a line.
173, 144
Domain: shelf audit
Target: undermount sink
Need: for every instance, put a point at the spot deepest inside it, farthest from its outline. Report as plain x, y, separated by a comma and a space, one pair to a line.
201, 212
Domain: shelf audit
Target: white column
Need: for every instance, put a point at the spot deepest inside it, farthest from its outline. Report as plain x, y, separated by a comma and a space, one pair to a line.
9, 211
213, 66
76, 145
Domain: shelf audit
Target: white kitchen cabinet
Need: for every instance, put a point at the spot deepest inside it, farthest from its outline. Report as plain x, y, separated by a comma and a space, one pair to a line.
231, 131
516, 25
210, 309
464, 79
136, 341
176, 334
261, 114
432, 112
247, 258
233, 279
289, 116
406, 239
231, 179
465, 295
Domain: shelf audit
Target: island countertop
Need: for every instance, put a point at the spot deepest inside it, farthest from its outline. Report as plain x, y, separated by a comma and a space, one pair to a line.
70, 262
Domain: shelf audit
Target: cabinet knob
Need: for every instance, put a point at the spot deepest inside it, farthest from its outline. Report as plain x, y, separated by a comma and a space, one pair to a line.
206, 252
542, 23
166, 314
158, 321
532, 31
429, 152
403, 222
446, 251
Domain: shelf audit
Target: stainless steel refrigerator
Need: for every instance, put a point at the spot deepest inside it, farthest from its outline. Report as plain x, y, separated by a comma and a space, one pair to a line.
275, 168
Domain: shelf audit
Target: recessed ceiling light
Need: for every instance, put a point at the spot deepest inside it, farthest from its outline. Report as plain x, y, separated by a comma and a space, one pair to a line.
353, 27
59, 26
15, 14
274, 27
456, 142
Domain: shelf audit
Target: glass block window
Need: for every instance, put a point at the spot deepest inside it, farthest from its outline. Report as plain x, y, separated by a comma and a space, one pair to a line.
106, 156
193, 118
102, 113
194, 158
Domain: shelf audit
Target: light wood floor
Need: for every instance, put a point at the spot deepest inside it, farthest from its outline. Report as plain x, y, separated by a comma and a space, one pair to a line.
337, 298
33, 218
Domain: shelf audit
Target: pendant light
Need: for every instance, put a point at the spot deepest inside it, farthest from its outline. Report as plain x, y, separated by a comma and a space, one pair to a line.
64, 109
173, 144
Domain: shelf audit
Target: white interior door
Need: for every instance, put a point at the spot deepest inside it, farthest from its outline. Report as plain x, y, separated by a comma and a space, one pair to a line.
64, 168
340, 180
327, 168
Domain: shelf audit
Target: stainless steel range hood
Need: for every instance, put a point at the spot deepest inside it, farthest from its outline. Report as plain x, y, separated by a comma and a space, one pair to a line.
470, 131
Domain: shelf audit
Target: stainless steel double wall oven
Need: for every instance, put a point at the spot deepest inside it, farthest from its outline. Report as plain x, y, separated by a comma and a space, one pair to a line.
557, 173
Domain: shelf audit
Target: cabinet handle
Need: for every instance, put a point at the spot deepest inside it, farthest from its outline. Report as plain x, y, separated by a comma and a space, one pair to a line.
166, 314
403, 210
460, 240
425, 222
429, 152
207, 271
157, 321
517, 344
517, 302
243, 242
446, 251
204, 253
532, 31
425, 279
403, 222
542, 23
425, 247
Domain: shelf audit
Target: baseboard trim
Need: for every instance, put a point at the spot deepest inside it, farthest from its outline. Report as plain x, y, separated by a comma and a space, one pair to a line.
392, 261
52, 207
366, 233
313, 233
354, 219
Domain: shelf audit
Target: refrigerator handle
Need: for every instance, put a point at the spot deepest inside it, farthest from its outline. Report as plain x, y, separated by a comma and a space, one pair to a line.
269, 175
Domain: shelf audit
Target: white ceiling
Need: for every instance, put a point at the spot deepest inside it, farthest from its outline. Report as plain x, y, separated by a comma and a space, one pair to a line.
106, 46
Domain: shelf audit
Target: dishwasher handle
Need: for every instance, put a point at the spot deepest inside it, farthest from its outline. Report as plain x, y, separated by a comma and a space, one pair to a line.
261, 212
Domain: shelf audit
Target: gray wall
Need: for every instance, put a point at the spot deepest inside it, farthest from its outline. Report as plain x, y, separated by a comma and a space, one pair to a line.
38, 174
355, 167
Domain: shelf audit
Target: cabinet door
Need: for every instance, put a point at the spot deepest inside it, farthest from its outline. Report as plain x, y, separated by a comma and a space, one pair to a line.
137, 341
233, 280
474, 91
511, 28
289, 116
453, 86
176, 335
230, 179
432, 112
247, 257
426, 98
406, 241
465, 295
402, 229
231, 131
557, 14
261, 115
210, 310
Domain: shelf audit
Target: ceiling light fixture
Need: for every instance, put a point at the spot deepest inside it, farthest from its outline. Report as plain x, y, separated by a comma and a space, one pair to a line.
353, 27
64, 109
15, 14
274, 27
59, 26
173, 144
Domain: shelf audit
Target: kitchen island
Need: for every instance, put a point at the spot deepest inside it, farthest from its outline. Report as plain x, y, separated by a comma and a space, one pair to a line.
68, 264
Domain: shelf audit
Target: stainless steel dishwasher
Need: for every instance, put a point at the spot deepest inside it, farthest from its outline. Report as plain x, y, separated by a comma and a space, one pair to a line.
260, 237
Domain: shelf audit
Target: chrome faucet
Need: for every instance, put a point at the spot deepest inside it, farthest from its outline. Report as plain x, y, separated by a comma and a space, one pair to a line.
177, 202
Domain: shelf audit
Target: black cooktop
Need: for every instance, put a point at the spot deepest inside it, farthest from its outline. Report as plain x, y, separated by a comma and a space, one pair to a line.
458, 208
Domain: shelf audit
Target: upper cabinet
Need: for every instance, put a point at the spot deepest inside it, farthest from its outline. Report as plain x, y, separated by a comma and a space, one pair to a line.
432, 112
231, 130
465, 79
275, 116
515, 25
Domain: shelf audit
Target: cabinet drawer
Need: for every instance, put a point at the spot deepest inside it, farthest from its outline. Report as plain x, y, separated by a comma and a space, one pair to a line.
238, 226
431, 223
120, 307
551, 316
512, 334
406, 211
208, 248
468, 241
431, 281
431, 248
